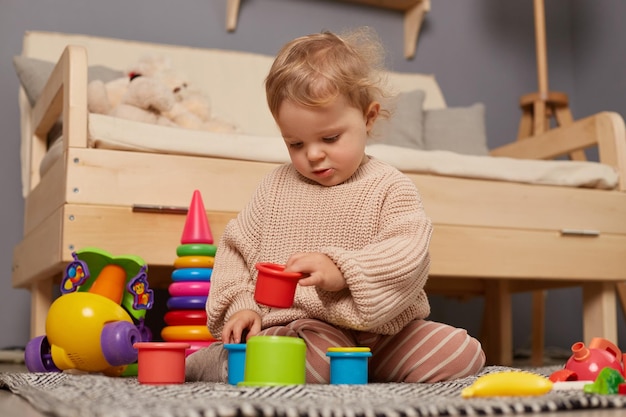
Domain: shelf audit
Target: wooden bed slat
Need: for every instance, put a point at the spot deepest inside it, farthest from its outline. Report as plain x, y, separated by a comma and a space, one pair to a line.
122, 178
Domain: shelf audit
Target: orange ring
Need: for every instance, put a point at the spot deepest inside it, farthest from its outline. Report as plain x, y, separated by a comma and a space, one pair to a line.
194, 262
176, 333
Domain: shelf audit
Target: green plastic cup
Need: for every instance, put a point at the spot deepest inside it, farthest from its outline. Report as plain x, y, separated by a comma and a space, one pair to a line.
274, 360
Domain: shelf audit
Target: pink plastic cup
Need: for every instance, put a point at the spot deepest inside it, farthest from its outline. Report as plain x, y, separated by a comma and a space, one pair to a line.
161, 363
274, 286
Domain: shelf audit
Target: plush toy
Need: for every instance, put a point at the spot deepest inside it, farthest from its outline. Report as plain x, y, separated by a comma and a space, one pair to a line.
154, 93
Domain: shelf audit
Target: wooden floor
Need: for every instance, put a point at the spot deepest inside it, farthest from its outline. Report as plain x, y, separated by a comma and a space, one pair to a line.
12, 405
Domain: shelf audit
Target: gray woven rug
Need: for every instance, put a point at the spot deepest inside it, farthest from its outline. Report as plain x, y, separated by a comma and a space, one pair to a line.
67, 395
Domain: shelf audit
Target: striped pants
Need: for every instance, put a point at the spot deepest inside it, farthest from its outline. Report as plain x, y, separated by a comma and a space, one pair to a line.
424, 351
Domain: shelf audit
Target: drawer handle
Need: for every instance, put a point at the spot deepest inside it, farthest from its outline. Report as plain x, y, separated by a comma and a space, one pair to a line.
580, 232
146, 208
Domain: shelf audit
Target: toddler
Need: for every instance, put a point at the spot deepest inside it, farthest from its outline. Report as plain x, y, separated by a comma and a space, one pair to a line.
352, 224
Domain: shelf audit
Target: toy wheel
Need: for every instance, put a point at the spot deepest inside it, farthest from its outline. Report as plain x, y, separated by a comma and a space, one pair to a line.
117, 341
37, 356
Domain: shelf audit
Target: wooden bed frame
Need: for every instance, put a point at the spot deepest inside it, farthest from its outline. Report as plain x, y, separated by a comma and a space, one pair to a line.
491, 238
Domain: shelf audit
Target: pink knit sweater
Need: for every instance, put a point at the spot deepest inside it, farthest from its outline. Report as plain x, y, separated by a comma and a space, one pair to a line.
373, 227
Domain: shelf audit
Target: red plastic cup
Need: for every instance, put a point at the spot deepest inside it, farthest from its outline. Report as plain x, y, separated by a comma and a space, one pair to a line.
274, 286
161, 363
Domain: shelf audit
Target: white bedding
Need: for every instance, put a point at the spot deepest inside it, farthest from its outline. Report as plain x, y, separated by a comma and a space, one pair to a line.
113, 133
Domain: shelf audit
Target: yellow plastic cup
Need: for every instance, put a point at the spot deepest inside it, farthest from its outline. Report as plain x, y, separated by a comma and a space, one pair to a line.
274, 360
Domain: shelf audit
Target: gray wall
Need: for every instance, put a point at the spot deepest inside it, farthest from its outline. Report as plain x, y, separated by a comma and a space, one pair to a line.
480, 50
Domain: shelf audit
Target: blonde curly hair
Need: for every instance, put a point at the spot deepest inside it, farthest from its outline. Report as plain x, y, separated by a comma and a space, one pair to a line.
313, 70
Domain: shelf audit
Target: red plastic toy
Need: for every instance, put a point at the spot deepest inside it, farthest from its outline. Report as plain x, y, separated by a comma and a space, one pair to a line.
274, 286
161, 363
586, 362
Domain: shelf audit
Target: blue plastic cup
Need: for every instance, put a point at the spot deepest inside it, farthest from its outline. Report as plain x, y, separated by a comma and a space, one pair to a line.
236, 362
348, 365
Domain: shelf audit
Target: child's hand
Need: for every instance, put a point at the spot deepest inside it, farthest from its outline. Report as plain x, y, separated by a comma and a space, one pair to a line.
242, 321
319, 270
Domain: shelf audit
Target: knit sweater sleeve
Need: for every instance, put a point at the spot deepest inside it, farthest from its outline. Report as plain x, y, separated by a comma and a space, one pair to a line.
232, 283
386, 277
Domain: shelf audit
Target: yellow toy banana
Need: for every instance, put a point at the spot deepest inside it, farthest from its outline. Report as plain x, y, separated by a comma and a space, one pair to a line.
508, 383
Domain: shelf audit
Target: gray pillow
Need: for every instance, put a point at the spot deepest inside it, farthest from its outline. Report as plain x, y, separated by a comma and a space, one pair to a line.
456, 129
404, 126
33, 74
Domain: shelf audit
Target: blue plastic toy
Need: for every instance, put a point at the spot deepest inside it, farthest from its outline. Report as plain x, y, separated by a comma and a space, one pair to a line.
348, 365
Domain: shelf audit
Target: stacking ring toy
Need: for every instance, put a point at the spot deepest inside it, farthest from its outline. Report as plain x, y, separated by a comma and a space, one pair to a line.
191, 302
192, 274
185, 318
186, 333
196, 249
194, 262
178, 289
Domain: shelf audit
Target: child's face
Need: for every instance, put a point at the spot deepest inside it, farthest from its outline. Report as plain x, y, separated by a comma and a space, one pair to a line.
326, 144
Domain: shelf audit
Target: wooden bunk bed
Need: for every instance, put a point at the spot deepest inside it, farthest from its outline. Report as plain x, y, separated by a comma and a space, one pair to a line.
491, 238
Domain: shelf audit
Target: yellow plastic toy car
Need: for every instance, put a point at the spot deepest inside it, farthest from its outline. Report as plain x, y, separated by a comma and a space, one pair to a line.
100, 314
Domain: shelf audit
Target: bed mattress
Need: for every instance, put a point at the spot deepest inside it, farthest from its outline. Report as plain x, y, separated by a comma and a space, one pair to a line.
119, 134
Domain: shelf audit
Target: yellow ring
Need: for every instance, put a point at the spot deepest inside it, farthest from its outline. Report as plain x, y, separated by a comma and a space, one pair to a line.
348, 349
177, 333
194, 262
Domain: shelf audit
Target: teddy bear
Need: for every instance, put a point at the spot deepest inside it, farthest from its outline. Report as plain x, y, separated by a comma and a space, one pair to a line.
152, 92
